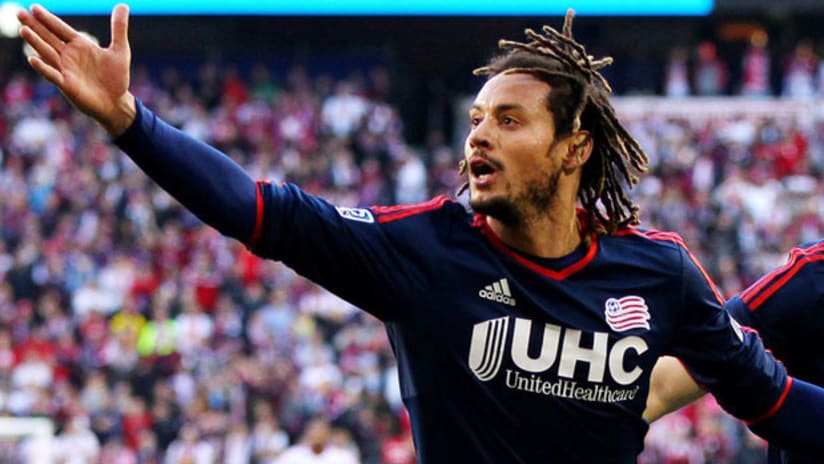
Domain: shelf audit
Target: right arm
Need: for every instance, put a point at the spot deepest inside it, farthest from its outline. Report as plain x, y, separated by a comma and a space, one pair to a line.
207, 182
348, 251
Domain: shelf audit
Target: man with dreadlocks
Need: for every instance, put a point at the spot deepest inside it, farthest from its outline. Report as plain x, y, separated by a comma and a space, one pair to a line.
526, 330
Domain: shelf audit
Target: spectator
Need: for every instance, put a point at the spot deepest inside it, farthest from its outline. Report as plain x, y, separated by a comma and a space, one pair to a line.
77, 444
677, 81
755, 80
190, 448
711, 73
316, 447
799, 72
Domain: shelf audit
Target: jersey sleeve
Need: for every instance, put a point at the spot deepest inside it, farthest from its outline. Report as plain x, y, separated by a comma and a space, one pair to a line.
786, 302
726, 359
351, 252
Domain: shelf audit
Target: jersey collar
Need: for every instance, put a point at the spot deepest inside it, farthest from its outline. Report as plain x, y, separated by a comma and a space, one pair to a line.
563, 268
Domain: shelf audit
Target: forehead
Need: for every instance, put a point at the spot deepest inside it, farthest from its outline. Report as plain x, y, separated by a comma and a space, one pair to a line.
513, 89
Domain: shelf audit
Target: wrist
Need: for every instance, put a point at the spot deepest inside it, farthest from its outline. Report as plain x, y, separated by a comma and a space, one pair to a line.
121, 117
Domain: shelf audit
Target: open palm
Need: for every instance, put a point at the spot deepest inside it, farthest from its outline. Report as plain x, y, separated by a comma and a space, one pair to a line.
94, 79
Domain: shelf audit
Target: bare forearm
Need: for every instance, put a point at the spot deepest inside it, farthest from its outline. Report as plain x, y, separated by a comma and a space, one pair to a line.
671, 388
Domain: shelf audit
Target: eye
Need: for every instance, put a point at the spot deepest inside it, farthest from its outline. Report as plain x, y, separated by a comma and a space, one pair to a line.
507, 121
474, 121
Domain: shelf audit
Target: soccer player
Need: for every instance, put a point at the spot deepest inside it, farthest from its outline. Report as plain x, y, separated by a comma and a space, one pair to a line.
525, 330
785, 308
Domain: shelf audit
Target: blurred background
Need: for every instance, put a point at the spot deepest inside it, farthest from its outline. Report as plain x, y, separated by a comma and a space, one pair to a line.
130, 333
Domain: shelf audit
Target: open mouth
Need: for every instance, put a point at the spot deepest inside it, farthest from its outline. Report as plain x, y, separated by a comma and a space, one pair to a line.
480, 167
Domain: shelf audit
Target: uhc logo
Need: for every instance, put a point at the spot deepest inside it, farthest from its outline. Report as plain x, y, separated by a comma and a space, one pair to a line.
561, 352
487, 349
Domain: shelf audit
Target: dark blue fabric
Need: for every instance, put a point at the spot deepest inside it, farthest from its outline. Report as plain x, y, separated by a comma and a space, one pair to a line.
204, 180
797, 425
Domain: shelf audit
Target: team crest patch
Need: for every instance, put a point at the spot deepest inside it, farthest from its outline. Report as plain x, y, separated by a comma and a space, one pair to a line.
627, 313
356, 214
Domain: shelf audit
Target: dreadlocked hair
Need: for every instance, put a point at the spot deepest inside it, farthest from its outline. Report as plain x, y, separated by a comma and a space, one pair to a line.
580, 95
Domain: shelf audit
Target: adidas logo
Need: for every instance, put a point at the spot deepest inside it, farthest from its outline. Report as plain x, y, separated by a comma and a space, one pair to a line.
499, 292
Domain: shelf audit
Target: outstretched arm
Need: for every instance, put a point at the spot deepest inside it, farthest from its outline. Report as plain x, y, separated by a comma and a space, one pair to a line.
671, 388
96, 81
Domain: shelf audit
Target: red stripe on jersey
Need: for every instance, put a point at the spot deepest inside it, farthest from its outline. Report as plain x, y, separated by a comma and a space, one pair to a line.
629, 231
258, 230
777, 404
678, 240
393, 213
773, 281
770, 291
748, 294
498, 244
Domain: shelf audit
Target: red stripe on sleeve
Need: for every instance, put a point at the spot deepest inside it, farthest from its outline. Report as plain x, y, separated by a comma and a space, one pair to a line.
258, 230
748, 294
776, 286
393, 213
678, 240
771, 281
777, 404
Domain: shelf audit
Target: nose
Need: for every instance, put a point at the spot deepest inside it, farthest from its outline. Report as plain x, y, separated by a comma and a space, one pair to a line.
479, 136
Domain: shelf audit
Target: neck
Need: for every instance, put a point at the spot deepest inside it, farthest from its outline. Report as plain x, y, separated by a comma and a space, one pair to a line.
553, 234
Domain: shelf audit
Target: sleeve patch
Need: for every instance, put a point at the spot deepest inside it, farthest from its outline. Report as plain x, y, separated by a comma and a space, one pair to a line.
356, 214
736, 327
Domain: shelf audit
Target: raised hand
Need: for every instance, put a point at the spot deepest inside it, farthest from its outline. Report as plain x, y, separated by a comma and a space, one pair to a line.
94, 79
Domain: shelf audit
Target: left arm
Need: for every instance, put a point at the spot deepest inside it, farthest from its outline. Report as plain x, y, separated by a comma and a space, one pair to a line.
671, 388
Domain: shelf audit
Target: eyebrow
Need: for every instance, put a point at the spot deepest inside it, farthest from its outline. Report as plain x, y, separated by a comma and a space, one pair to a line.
502, 108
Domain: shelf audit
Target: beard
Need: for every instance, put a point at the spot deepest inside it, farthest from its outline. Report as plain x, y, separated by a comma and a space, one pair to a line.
536, 198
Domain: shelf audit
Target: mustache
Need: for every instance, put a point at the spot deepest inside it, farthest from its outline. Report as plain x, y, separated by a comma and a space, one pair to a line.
482, 155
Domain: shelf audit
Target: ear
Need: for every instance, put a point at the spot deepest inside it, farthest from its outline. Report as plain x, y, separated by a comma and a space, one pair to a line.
579, 148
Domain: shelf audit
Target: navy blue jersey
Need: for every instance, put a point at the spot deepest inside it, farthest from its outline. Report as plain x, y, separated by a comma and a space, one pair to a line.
505, 357
786, 307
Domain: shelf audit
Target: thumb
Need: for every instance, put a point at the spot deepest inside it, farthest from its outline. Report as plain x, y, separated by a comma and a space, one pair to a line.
120, 27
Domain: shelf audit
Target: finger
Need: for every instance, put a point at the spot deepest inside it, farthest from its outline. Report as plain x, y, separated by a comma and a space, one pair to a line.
62, 30
28, 20
43, 49
49, 72
120, 27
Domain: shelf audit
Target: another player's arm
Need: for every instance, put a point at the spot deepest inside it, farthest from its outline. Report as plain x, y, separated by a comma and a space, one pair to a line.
747, 381
96, 81
671, 388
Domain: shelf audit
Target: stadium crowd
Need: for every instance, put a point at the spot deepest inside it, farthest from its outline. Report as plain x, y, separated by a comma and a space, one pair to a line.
149, 338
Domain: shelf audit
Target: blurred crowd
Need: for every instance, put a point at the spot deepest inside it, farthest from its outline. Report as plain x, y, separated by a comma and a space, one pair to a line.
149, 338
755, 71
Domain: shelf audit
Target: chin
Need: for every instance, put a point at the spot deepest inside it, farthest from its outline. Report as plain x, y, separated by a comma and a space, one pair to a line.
496, 207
